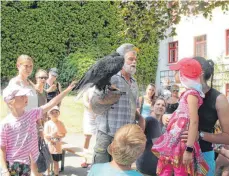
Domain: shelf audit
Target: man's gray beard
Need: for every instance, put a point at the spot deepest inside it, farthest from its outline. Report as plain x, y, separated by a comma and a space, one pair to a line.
129, 69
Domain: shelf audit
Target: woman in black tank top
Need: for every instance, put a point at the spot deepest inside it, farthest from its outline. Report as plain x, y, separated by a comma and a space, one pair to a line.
172, 102
215, 106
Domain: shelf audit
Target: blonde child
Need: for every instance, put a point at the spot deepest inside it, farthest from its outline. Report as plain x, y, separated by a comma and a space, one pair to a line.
54, 131
175, 155
18, 130
128, 144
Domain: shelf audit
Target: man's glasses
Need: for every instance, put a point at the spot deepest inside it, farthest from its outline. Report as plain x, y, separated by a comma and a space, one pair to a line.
43, 77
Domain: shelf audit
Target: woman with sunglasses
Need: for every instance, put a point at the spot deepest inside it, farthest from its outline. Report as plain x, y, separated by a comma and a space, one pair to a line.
172, 104
41, 77
52, 87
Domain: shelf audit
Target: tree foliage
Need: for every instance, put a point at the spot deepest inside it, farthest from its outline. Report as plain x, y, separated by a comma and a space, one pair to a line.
74, 67
221, 74
63, 34
143, 17
147, 22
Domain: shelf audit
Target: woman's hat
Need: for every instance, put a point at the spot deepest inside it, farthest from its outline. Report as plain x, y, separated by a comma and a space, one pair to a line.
54, 72
188, 67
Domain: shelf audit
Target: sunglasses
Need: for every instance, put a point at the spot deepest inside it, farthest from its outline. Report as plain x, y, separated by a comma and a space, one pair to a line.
176, 90
43, 77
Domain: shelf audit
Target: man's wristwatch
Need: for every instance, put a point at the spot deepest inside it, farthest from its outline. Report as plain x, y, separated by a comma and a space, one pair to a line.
189, 149
201, 135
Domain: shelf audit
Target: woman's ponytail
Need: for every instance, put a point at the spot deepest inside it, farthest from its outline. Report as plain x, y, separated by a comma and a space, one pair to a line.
211, 65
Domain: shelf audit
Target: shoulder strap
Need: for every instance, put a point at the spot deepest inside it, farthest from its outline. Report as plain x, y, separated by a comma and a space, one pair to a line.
142, 102
58, 87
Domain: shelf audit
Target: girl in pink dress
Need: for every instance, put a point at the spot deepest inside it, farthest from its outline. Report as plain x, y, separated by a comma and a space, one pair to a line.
174, 155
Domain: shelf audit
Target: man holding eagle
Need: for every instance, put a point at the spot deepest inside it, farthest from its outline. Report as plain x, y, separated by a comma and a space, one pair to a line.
115, 97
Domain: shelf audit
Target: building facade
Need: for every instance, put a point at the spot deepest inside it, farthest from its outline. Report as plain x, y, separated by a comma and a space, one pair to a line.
198, 36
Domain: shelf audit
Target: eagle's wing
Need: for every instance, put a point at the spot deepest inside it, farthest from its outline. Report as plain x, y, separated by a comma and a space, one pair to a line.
101, 72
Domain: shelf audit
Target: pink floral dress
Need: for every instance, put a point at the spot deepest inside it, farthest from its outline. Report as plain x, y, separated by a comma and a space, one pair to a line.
169, 147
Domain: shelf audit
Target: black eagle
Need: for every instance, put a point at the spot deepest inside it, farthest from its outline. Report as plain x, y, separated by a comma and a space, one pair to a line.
100, 73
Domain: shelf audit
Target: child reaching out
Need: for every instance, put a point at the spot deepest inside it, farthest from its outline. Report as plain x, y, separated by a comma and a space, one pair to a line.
175, 155
54, 131
18, 130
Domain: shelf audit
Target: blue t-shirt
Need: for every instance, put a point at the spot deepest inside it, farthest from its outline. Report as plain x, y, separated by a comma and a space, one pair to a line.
106, 169
146, 110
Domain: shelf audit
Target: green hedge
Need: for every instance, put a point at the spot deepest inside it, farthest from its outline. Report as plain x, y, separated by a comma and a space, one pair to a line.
69, 35
50, 31
75, 66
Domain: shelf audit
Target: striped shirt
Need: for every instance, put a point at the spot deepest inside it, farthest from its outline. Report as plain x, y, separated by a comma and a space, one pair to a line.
122, 112
19, 136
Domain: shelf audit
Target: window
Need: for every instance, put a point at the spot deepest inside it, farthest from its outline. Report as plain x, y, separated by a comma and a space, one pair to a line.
173, 52
200, 46
167, 74
227, 42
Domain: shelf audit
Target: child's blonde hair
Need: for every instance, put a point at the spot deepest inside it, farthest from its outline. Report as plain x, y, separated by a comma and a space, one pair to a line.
128, 144
22, 58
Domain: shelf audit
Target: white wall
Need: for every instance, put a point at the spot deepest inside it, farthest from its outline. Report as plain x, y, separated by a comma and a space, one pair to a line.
187, 29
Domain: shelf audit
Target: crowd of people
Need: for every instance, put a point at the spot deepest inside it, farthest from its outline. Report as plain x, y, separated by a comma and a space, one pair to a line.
165, 132
33, 115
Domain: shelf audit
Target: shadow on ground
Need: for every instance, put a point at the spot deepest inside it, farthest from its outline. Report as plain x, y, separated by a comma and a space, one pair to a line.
74, 171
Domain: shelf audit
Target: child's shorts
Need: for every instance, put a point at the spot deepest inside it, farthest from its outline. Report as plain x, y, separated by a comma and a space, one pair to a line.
57, 157
18, 169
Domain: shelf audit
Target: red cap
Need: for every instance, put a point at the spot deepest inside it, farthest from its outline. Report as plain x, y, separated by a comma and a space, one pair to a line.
189, 67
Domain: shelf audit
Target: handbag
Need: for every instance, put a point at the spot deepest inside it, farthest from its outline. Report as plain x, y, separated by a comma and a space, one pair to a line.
44, 158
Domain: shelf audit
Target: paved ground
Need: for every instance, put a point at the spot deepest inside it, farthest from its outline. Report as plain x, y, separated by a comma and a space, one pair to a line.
72, 162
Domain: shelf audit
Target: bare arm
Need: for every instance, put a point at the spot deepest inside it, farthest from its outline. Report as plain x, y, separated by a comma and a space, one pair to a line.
3, 159
194, 119
57, 99
193, 127
61, 135
222, 107
141, 121
51, 88
59, 87
224, 152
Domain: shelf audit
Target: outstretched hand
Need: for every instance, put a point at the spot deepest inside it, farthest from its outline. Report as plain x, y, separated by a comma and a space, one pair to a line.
71, 86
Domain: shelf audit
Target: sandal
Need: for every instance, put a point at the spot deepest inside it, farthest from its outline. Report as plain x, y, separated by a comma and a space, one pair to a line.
84, 165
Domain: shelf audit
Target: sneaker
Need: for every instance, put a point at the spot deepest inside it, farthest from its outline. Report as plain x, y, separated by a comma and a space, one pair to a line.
84, 165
